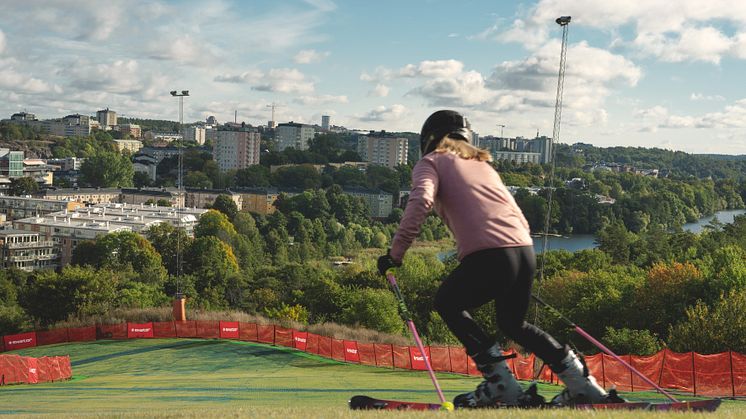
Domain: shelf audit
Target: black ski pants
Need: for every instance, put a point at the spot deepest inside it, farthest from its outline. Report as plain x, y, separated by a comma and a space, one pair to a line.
505, 276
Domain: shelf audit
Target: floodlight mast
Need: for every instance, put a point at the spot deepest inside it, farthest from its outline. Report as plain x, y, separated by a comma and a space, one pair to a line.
563, 21
180, 187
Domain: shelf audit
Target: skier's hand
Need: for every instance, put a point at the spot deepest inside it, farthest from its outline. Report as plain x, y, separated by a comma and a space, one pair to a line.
386, 262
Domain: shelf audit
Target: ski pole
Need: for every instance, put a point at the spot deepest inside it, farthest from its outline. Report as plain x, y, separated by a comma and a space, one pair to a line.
603, 348
408, 319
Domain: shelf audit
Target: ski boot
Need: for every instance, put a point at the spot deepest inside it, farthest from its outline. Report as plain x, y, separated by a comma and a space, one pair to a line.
499, 388
580, 386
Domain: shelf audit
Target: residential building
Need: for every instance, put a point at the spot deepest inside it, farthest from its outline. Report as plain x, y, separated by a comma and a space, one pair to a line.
11, 163
166, 137
15, 207
26, 251
195, 134
39, 170
258, 200
68, 228
67, 163
517, 157
23, 116
325, 119
88, 196
159, 153
133, 146
133, 196
212, 121
204, 198
106, 118
383, 150
380, 203
293, 135
234, 150
130, 130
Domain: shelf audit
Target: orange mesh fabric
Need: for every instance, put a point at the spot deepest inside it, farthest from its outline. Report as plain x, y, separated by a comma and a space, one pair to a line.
384, 355
367, 353
678, 371
439, 359
283, 336
82, 334
712, 377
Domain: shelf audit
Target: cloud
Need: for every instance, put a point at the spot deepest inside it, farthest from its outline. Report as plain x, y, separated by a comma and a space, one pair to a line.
308, 56
703, 97
670, 31
2, 41
731, 117
321, 99
381, 90
280, 80
384, 113
183, 49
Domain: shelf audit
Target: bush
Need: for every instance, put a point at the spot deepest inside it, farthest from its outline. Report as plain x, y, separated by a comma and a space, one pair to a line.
630, 341
12, 320
373, 308
712, 329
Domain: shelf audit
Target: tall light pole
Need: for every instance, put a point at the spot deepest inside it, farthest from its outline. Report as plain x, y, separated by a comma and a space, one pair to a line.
179, 302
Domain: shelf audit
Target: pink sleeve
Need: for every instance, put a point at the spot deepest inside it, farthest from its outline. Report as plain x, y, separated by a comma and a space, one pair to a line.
421, 199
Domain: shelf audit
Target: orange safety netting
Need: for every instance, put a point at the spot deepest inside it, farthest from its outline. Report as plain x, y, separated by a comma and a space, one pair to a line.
284, 337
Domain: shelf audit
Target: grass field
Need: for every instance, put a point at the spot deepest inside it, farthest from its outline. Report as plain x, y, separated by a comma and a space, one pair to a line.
223, 378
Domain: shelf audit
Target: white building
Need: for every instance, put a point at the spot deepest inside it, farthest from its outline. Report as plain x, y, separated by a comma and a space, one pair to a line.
325, 119
133, 146
382, 150
195, 134
294, 135
234, 150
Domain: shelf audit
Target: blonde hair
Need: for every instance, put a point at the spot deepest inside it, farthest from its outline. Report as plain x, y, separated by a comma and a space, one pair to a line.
462, 149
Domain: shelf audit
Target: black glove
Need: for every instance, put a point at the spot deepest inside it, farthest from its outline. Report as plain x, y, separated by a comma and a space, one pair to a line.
386, 262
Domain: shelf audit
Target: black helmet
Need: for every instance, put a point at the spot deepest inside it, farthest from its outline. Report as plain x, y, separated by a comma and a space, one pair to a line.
440, 124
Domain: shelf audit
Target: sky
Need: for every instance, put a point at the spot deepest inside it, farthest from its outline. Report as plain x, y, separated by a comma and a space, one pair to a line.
653, 73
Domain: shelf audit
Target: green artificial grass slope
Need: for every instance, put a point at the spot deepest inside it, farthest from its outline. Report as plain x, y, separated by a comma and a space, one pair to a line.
161, 377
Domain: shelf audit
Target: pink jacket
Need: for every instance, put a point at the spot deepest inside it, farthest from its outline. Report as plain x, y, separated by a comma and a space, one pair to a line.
471, 199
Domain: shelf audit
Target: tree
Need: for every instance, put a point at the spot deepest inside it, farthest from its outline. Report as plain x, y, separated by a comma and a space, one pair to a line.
141, 179
107, 169
121, 251
256, 176
215, 223
197, 179
226, 205
212, 262
167, 241
23, 186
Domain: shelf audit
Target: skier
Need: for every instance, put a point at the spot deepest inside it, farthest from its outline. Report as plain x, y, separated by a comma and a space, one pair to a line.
497, 263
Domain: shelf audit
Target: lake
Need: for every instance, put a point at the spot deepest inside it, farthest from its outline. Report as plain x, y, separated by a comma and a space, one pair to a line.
577, 242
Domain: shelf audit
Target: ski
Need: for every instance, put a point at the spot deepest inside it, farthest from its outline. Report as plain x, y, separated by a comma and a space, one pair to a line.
370, 403
708, 405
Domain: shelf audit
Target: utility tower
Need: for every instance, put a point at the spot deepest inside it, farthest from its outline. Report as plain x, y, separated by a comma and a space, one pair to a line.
502, 127
273, 121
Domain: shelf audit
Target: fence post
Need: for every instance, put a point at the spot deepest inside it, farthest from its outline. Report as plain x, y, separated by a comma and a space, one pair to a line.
732, 379
603, 369
393, 365
663, 364
631, 375
694, 375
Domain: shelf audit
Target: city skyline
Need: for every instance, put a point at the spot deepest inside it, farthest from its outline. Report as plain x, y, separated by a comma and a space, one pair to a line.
652, 74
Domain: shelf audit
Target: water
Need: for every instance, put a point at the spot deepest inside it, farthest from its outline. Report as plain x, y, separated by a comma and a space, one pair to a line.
577, 242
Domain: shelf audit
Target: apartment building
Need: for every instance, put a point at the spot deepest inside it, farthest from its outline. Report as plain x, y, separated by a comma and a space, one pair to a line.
15, 207
26, 251
234, 150
295, 135
383, 150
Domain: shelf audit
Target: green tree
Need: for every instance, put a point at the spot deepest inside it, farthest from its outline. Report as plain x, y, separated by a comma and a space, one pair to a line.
168, 241
124, 250
226, 205
215, 223
212, 262
107, 169
197, 179
256, 176
23, 186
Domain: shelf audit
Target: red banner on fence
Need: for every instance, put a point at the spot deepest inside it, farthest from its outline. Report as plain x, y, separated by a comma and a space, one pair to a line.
300, 340
20, 341
417, 361
82, 334
139, 330
351, 352
229, 330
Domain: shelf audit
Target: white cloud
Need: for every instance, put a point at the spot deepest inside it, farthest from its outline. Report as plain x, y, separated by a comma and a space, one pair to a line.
280, 80
308, 56
384, 114
321, 99
732, 117
672, 31
183, 49
703, 97
381, 90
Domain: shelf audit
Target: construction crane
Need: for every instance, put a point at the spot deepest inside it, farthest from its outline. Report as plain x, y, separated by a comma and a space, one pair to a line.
273, 106
563, 21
